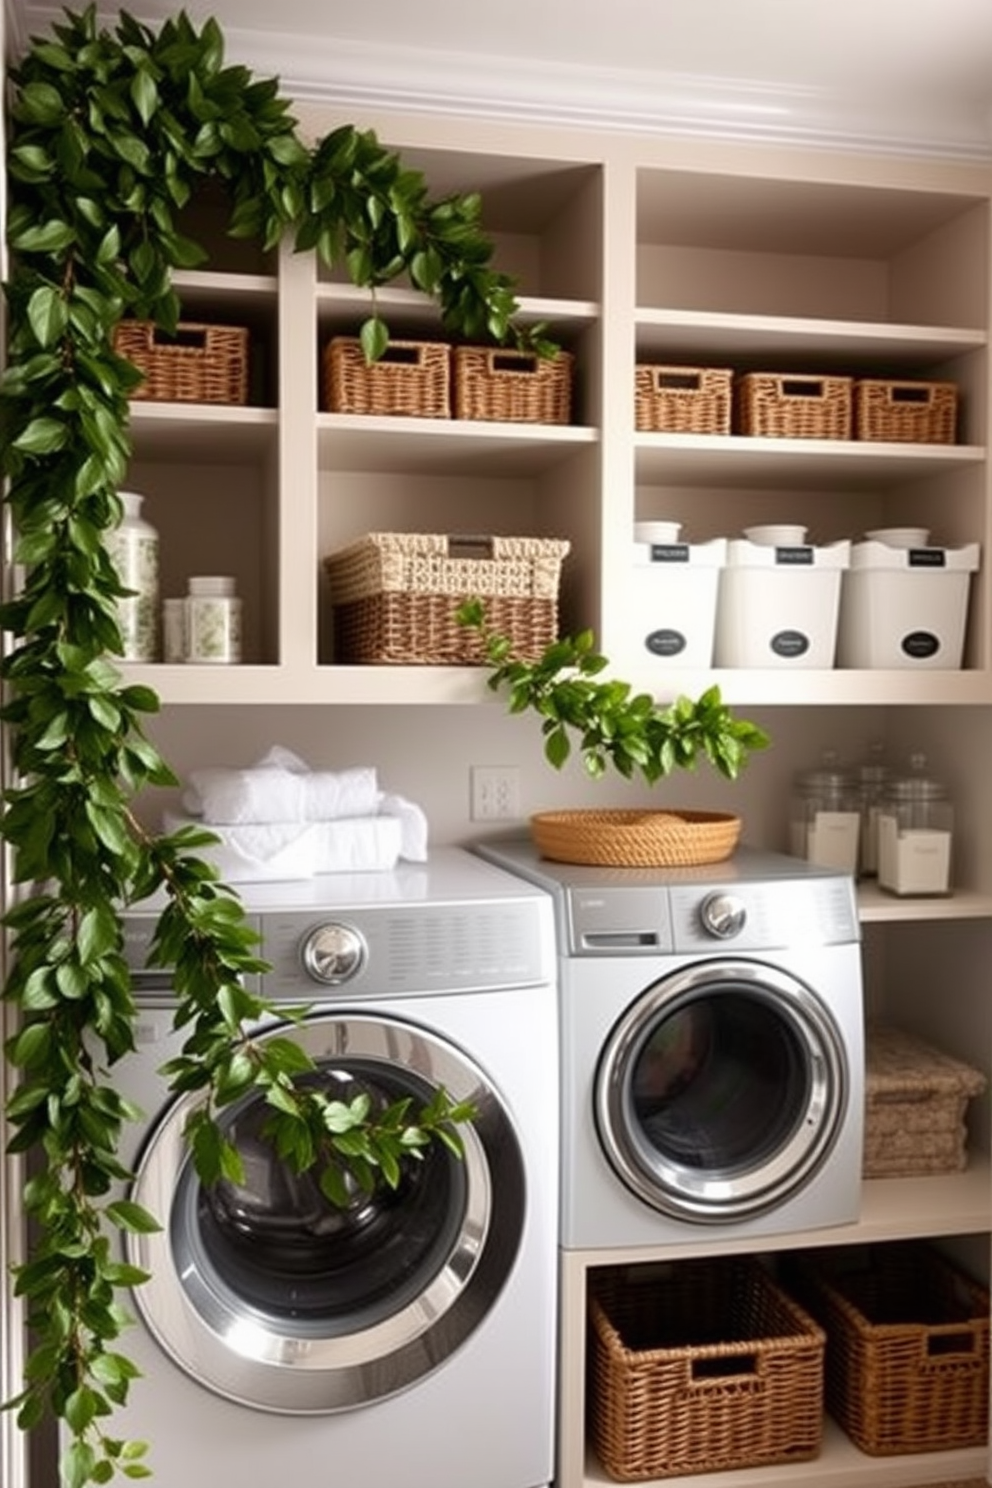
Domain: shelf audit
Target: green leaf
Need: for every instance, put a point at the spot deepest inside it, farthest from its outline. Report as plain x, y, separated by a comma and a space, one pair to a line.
132, 1217
42, 436
374, 338
76, 1465
48, 315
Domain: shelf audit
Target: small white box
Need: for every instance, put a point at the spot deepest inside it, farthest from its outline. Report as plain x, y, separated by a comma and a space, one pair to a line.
672, 596
778, 606
905, 607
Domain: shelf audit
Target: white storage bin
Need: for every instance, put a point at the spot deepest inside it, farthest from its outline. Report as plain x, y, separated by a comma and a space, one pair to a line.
778, 606
673, 590
905, 607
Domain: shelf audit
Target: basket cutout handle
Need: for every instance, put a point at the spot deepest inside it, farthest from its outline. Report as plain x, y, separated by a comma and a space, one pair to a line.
470, 545
950, 1342
720, 1367
509, 362
677, 382
902, 393
803, 387
403, 356
193, 337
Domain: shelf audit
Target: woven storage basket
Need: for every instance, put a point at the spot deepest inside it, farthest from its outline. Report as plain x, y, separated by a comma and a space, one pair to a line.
635, 839
789, 406
198, 364
411, 378
683, 400
916, 1099
518, 387
907, 1362
395, 596
914, 412
700, 1365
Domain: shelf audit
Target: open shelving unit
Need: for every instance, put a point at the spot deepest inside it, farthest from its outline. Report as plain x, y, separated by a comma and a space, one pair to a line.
659, 250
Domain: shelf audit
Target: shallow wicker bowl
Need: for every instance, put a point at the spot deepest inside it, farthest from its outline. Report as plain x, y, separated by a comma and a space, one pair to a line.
636, 839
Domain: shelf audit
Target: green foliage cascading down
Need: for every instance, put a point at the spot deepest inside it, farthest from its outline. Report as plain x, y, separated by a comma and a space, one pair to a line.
110, 134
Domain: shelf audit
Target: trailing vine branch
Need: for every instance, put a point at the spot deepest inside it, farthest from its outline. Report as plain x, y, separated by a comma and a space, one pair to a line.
611, 724
111, 133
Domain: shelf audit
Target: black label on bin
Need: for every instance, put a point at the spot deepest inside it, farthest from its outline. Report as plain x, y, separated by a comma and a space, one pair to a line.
927, 558
669, 552
795, 556
665, 642
789, 643
920, 644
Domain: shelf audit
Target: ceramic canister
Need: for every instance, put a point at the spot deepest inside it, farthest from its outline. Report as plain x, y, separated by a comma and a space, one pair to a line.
213, 620
133, 549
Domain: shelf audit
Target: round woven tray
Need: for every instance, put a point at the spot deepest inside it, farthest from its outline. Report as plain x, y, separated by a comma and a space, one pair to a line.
636, 839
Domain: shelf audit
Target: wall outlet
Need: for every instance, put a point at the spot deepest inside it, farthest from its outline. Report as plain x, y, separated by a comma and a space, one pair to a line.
495, 792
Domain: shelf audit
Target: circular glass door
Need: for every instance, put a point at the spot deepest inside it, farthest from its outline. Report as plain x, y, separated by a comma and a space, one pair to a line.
270, 1294
720, 1091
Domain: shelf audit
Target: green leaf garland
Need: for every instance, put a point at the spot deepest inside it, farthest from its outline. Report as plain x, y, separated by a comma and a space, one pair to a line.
111, 134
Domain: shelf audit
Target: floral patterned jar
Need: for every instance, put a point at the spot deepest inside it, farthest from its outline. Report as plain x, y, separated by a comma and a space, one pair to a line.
133, 550
213, 620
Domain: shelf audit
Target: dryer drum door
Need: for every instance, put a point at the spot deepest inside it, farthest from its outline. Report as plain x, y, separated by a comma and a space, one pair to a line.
267, 1293
721, 1091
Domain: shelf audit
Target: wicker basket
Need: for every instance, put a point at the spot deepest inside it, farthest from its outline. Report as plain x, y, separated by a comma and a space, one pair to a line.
910, 412
916, 1100
198, 364
636, 839
517, 387
790, 406
395, 596
683, 400
411, 378
907, 1363
699, 1366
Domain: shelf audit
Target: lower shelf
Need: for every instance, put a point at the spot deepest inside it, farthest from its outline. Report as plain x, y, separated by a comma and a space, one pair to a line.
839, 1465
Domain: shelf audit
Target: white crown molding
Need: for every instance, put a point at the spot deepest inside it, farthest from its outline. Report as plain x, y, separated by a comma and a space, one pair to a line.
383, 77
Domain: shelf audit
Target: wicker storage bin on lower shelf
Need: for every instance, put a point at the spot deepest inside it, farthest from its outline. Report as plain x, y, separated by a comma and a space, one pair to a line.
907, 1363
682, 400
916, 1100
789, 406
411, 378
700, 1365
911, 412
395, 596
498, 384
196, 364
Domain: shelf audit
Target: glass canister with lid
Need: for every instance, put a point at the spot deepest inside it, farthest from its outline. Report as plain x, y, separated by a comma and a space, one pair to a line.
826, 816
873, 775
915, 833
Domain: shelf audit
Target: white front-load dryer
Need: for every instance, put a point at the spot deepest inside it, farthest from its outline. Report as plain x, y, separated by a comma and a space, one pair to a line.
410, 1337
712, 1049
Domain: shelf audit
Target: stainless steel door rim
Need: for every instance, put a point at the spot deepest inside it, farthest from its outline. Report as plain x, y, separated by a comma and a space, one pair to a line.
720, 1090
290, 1360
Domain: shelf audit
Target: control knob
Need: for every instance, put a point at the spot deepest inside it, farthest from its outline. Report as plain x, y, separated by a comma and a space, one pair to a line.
333, 953
723, 915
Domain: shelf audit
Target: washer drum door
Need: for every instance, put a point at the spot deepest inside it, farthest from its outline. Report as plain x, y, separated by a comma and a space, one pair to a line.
267, 1293
721, 1091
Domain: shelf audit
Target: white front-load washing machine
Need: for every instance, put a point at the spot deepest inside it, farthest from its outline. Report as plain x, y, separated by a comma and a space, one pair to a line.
408, 1338
712, 1048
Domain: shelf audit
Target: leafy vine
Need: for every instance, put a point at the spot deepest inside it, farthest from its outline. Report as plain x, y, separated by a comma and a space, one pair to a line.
110, 135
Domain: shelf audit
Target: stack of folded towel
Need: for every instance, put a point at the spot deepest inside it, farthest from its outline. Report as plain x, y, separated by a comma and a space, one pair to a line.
281, 820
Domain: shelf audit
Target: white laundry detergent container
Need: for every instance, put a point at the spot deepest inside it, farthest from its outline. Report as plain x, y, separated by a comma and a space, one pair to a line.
672, 594
905, 606
777, 604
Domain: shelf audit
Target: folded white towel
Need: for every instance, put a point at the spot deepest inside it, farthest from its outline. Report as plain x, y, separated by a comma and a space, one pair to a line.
280, 788
267, 852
